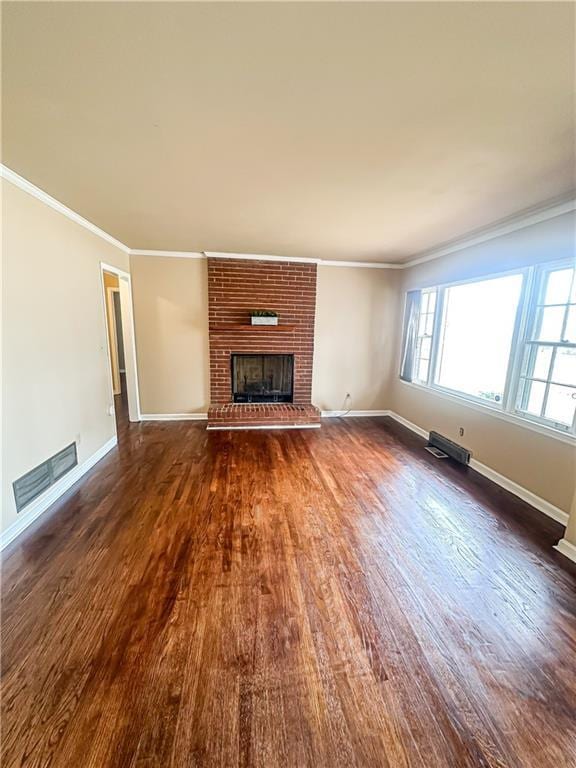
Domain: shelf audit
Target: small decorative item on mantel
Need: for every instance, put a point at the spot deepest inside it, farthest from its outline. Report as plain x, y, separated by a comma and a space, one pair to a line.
263, 317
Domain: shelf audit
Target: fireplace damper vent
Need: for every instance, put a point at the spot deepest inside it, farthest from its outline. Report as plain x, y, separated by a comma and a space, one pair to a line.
262, 378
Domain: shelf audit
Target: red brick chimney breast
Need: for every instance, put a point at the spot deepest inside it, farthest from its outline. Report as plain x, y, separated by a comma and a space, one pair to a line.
236, 286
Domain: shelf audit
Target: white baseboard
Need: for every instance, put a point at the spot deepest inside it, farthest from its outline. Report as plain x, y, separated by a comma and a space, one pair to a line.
173, 416
352, 414
504, 482
52, 494
567, 549
214, 428
523, 493
408, 424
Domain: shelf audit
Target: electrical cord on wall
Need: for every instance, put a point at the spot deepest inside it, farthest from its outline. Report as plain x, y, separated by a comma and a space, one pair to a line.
341, 415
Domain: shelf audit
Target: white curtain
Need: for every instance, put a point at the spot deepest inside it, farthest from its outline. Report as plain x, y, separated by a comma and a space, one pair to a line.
411, 317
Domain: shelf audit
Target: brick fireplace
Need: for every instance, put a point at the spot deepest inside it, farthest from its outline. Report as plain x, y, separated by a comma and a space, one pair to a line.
235, 287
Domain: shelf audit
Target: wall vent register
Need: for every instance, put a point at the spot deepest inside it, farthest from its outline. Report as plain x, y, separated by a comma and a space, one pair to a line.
448, 447
33, 483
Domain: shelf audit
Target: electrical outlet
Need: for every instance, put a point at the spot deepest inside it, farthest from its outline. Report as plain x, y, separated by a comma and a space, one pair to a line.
461, 431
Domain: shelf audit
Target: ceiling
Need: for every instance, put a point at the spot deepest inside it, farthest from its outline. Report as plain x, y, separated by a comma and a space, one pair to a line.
344, 131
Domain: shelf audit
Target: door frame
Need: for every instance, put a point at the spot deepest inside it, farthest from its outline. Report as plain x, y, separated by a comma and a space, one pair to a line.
128, 337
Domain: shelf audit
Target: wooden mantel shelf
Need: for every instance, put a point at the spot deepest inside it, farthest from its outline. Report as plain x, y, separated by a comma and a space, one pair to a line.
222, 327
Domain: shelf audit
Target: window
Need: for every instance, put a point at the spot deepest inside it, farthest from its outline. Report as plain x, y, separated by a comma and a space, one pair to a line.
508, 341
477, 329
424, 336
547, 387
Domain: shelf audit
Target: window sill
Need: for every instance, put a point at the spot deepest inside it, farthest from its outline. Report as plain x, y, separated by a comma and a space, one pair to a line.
556, 434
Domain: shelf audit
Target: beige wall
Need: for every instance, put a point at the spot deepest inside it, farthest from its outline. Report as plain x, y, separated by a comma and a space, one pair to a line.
56, 384
355, 337
537, 462
171, 317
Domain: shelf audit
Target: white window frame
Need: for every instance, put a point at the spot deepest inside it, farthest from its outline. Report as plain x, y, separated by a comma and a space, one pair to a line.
539, 281
417, 357
532, 283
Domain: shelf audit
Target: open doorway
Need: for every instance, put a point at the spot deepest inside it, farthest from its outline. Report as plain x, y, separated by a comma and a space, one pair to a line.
117, 293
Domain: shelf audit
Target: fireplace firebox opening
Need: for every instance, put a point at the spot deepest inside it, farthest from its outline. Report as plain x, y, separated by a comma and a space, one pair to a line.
262, 378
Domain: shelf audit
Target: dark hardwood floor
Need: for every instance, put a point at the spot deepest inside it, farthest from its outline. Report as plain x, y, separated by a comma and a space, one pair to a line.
327, 598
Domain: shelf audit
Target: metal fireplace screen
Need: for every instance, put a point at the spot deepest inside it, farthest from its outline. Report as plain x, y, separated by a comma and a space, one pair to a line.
262, 378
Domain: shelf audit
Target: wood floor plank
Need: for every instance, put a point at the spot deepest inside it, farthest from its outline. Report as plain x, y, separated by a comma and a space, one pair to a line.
302, 598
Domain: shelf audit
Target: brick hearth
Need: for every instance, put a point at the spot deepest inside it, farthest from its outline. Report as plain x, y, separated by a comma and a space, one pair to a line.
262, 414
236, 286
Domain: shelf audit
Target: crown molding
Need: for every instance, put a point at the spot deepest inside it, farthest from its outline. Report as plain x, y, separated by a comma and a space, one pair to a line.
265, 257
168, 254
362, 264
503, 227
44, 197
303, 260
259, 257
